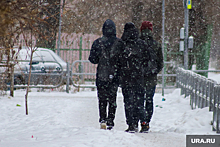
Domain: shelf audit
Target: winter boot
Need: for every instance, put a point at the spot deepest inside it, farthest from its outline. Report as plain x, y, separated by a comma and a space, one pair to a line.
110, 127
130, 129
144, 127
103, 125
136, 127
110, 124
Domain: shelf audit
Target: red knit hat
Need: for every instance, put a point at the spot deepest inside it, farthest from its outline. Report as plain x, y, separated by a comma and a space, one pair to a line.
146, 25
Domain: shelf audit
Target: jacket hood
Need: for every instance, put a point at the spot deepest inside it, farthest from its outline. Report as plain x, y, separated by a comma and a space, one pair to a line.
109, 28
130, 32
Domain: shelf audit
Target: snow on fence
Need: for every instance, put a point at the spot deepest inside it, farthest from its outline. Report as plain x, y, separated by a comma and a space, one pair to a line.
203, 92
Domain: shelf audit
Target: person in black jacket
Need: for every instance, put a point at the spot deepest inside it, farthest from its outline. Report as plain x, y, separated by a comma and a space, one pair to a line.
131, 52
151, 80
107, 90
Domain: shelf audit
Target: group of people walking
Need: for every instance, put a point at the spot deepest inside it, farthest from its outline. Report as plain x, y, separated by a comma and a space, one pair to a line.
131, 62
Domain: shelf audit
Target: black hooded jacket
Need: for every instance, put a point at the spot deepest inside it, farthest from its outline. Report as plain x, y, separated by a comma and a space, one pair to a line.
107, 40
130, 38
147, 36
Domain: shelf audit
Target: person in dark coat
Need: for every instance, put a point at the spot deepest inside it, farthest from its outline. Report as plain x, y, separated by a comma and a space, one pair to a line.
151, 80
132, 82
107, 90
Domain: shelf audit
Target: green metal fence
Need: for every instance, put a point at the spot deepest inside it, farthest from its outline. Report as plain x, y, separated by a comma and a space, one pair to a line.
78, 53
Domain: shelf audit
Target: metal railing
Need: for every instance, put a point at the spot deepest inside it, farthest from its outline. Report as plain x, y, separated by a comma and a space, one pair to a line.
203, 92
81, 73
42, 86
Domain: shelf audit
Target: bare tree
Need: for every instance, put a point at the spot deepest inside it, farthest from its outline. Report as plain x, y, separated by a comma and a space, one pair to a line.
21, 17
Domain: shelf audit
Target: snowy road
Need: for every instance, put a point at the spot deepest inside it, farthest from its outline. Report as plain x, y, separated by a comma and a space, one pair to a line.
58, 119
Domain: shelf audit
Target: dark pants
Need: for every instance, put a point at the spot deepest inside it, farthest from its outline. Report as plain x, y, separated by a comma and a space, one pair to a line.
134, 104
149, 106
107, 93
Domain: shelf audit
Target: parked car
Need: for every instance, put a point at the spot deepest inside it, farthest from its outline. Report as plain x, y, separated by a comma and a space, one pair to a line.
48, 65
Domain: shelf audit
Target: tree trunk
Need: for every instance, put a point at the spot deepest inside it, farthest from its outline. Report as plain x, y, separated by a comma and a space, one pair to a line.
29, 80
12, 80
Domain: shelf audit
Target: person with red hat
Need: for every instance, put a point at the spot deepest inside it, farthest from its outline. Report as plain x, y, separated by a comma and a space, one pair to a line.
150, 80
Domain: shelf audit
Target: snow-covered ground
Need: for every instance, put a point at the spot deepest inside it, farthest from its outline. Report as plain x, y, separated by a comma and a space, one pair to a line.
214, 76
58, 119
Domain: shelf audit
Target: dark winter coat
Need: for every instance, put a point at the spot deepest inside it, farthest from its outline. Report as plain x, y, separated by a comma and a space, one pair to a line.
146, 35
130, 37
107, 40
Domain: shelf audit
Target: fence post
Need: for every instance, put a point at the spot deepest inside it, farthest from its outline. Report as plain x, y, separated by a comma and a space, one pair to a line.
67, 78
203, 100
197, 91
181, 81
200, 92
187, 83
80, 58
217, 106
216, 109
177, 78
212, 96
80, 53
190, 87
214, 118
80, 49
184, 82
205, 93
193, 90
209, 93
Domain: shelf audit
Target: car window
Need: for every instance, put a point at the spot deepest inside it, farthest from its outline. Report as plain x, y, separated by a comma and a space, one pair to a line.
46, 56
58, 58
23, 55
37, 56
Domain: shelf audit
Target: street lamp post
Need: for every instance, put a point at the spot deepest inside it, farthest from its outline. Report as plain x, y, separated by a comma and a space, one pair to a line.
60, 21
186, 28
163, 35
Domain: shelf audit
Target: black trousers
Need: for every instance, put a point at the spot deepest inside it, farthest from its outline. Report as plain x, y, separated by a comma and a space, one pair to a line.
134, 104
149, 106
107, 93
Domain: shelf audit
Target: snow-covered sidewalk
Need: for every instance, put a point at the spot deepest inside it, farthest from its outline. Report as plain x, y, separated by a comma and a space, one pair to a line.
58, 119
